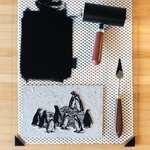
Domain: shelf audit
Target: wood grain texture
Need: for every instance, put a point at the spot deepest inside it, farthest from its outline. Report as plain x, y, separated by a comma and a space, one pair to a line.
8, 78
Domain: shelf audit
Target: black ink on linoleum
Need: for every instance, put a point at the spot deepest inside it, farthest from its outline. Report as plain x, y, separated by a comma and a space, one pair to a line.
46, 45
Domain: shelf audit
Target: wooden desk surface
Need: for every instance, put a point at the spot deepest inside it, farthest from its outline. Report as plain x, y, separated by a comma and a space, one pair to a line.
8, 76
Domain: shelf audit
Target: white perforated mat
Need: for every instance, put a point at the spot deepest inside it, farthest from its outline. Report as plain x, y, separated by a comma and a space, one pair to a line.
118, 44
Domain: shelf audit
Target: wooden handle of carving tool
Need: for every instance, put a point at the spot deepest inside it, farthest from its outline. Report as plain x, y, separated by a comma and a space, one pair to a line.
97, 51
119, 121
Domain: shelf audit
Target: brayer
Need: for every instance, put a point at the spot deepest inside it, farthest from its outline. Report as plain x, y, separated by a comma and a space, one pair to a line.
104, 15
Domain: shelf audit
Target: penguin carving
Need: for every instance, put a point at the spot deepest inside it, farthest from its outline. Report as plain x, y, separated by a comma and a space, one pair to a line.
87, 120
50, 125
57, 116
65, 121
78, 125
75, 102
36, 117
43, 119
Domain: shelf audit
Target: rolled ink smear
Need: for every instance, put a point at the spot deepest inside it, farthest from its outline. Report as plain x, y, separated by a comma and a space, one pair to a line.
46, 42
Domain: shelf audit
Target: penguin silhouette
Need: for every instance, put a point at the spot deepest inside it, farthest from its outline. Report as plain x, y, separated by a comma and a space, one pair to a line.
43, 119
87, 120
50, 125
75, 102
36, 117
78, 125
57, 116
65, 120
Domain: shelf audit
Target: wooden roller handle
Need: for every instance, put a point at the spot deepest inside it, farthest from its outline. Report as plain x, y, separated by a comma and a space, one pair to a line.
97, 51
119, 122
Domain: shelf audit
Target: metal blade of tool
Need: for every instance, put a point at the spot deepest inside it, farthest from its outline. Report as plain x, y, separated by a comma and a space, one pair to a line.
119, 72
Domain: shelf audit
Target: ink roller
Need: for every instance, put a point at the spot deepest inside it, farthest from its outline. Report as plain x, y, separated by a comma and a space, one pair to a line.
104, 15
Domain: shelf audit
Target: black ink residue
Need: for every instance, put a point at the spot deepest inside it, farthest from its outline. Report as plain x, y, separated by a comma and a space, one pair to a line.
46, 44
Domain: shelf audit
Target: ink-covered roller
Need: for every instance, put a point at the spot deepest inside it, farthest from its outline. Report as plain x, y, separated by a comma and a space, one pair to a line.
103, 15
